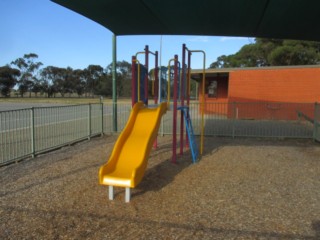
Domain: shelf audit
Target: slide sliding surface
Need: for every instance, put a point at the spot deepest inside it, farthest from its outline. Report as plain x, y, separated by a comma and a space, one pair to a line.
129, 158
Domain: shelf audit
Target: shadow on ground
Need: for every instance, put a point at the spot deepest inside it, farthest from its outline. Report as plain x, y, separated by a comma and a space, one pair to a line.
162, 172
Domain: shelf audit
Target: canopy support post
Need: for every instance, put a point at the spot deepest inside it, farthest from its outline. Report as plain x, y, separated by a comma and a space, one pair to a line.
114, 82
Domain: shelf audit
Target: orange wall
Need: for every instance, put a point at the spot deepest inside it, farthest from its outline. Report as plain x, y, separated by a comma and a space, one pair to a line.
280, 85
275, 86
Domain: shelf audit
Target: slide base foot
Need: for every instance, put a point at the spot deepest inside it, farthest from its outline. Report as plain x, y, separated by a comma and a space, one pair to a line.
127, 197
111, 193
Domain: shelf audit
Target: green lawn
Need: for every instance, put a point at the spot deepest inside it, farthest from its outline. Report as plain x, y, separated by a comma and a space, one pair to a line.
61, 100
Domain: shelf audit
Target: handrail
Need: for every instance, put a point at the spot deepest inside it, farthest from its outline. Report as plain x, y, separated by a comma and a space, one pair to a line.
169, 74
301, 114
140, 53
203, 96
136, 60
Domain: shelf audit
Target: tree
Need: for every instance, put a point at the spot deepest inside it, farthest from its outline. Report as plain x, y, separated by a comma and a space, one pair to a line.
92, 74
78, 81
63, 80
36, 86
295, 53
49, 77
272, 52
123, 72
104, 87
8, 79
28, 68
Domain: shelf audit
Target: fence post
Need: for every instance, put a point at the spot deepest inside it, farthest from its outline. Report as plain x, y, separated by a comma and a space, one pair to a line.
32, 132
102, 130
233, 118
89, 121
315, 122
162, 123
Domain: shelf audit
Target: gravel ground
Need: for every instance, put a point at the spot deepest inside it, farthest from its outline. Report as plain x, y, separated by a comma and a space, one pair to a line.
241, 189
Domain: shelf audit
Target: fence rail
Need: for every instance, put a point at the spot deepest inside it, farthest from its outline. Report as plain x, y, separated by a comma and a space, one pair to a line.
279, 120
27, 132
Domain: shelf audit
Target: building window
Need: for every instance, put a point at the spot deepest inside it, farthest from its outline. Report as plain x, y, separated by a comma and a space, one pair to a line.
213, 89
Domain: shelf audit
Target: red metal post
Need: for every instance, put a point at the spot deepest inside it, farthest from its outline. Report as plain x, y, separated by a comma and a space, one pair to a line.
175, 97
156, 79
188, 89
133, 81
182, 91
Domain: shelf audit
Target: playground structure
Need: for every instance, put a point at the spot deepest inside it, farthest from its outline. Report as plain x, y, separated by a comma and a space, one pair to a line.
181, 93
128, 161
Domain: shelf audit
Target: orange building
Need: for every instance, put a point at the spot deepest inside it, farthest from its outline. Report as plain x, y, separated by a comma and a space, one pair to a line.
295, 88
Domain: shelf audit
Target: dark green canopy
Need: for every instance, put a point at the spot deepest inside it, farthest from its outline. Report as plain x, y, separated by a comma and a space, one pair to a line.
285, 19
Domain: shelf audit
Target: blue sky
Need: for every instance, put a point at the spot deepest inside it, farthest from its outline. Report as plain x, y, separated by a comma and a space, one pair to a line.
64, 38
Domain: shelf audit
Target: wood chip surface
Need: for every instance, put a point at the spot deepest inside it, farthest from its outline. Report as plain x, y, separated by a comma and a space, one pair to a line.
240, 189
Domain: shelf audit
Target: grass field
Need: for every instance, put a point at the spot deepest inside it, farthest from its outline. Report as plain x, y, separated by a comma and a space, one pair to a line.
7, 104
59, 100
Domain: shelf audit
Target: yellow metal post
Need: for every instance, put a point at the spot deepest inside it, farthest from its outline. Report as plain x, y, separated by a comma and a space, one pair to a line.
138, 79
168, 97
203, 98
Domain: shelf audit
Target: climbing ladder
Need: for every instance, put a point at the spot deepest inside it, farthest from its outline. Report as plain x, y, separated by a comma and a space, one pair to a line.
192, 142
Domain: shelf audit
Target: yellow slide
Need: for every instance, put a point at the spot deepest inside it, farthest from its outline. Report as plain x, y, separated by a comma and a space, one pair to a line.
128, 160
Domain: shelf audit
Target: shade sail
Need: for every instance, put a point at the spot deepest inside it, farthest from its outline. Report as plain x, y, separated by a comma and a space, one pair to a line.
284, 19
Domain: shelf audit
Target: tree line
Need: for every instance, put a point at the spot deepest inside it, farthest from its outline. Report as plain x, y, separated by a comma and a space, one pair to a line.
272, 52
25, 75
